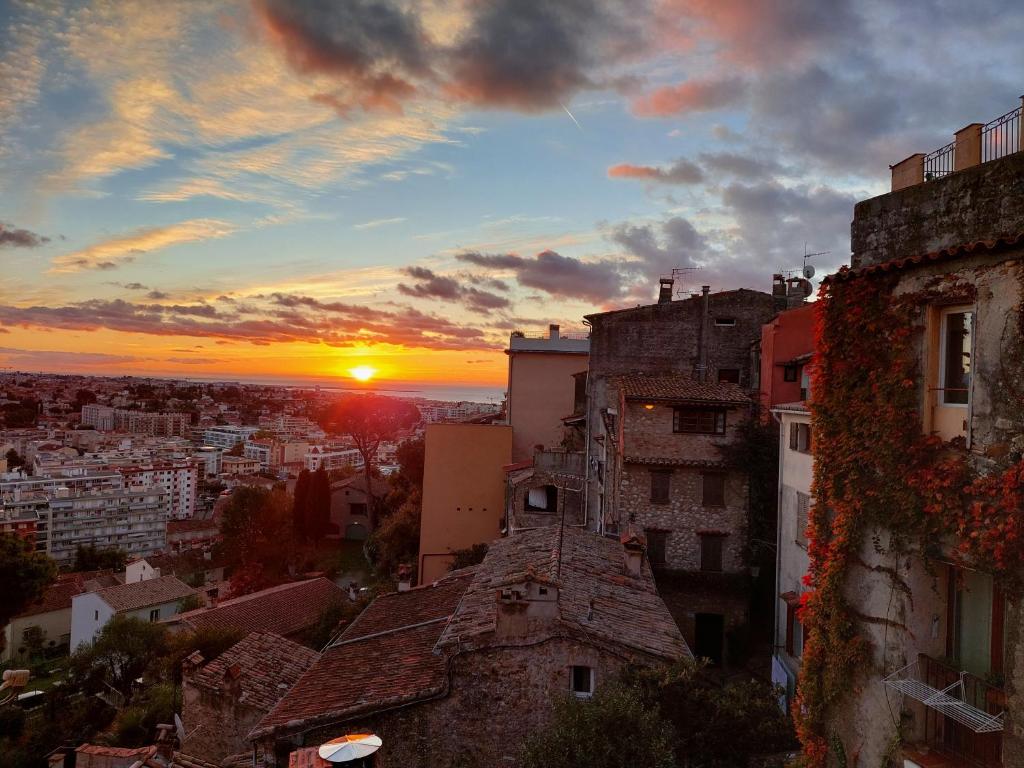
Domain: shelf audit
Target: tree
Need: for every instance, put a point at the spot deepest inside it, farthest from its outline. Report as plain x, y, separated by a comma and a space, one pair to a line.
88, 558
411, 456
300, 504
370, 420
617, 728
256, 527
84, 397
125, 650
24, 576
318, 510
14, 459
463, 558
397, 539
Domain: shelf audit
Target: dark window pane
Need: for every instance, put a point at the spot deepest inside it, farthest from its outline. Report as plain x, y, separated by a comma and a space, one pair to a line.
729, 375
660, 484
581, 680
789, 373
711, 552
699, 420
656, 546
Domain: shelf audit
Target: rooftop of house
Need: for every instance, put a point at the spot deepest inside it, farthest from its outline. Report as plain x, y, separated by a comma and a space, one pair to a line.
385, 657
263, 664
358, 483
287, 609
141, 594
598, 602
188, 526
397, 651
689, 301
57, 596
681, 388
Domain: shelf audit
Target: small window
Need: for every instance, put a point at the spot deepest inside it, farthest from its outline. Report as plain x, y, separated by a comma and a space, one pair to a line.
543, 498
790, 372
96, 616
357, 509
803, 509
707, 421
711, 551
154, 615
713, 489
725, 322
582, 682
955, 360
728, 375
661, 482
800, 437
657, 543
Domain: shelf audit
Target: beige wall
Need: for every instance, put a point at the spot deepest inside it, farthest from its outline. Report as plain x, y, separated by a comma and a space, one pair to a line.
540, 393
56, 625
463, 490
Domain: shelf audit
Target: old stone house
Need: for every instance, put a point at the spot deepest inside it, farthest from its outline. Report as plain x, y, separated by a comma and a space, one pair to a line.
461, 670
224, 699
350, 506
921, 462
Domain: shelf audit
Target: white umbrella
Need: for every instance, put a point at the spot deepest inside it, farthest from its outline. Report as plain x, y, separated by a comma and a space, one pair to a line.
351, 747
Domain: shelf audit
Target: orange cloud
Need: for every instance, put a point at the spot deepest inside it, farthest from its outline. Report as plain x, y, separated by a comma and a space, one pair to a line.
690, 96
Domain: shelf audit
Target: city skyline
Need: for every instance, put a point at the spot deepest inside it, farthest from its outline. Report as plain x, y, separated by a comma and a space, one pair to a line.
266, 190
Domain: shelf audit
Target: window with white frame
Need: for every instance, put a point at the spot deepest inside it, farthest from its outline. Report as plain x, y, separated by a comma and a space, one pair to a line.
582, 681
955, 348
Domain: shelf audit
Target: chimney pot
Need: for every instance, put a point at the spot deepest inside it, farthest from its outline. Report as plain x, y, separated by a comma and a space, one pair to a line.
665, 290
553, 331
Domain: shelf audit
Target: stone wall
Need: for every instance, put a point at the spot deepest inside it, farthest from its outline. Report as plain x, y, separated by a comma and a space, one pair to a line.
225, 722
684, 516
648, 433
498, 698
979, 203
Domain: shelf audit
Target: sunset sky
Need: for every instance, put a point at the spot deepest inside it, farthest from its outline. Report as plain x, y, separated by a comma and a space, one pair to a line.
294, 189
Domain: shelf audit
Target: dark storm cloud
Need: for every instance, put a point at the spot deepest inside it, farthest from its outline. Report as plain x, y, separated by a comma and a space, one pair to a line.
154, 294
430, 285
557, 275
661, 247
11, 237
742, 166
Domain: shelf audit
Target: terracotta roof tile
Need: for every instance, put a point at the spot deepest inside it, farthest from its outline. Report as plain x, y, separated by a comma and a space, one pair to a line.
139, 594
57, 596
678, 387
267, 666
286, 610
668, 461
597, 601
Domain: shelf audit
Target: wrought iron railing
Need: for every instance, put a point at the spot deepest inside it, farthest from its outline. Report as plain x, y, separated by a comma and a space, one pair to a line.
983, 750
1001, 137
940, 162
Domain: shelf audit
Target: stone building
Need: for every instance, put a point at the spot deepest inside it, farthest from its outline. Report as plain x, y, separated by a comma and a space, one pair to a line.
350, 507
545, 490
224, 699
460, 671
933, 600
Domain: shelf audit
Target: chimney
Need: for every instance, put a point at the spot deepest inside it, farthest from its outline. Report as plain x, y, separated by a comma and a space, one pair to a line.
633, 547
165, 738
404, 578
665, 290
779, 292
797, 291
553, 332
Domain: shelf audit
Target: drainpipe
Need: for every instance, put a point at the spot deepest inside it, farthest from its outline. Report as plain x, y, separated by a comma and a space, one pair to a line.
702, 340
587, 433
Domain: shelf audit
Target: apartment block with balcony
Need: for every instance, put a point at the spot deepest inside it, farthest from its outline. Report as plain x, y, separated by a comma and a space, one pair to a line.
942, 621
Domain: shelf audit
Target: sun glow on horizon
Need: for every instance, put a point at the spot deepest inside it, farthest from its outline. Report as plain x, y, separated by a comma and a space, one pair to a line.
363, 372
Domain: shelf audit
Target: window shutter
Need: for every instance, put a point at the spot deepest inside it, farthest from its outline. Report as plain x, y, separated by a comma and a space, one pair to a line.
794, 435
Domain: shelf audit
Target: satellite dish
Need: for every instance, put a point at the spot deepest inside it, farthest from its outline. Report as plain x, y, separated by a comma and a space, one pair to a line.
179, 728
349, 748
808, 271
806, 288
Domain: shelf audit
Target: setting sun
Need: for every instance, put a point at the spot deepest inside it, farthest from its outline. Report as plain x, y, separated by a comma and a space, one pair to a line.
362, 372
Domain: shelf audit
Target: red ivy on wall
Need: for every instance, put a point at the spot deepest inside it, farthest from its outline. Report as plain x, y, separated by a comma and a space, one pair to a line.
875, 467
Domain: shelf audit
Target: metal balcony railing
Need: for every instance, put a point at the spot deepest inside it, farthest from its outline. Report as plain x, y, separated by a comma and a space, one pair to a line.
1001, 137
940, 162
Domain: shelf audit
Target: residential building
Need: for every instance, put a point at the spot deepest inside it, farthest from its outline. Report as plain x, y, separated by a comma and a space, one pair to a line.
24, 514
463, 491
545, 490
208, 457
287, 428
224, 699
179, 482
919, 390
350, 507
99, 417
107, 419
541, 387
149, 600
184, 535
133, 520
227, 436
51, 615
784, 353
260, 451
289, 610
461, 670
239, 465
332, 458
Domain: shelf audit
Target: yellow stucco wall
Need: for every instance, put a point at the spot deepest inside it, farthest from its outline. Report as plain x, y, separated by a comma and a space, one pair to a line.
540, 394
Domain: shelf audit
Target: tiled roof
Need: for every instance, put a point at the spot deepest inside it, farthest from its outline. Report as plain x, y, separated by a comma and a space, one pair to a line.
668, 461
358, 483
799, 406
381, 660
285, 610
678, 387
266, 666
597, 601
57, 596
105, 751
403, 609
953, 252
140, 594
185, 526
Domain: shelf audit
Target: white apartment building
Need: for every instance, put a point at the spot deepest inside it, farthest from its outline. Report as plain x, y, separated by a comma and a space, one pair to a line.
208, 458
291, 428
108, 419
178, 480
133, 520
149, 600
796, 471
100, 417
227, 436
261, 452
332, 458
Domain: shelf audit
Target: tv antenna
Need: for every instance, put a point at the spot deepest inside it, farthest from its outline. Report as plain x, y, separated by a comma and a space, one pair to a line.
678, 273
808, 269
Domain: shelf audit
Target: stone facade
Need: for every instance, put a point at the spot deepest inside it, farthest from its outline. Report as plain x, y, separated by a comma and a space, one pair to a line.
558, 470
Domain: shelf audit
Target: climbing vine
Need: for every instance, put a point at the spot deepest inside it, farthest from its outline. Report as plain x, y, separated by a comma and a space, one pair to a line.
874, 468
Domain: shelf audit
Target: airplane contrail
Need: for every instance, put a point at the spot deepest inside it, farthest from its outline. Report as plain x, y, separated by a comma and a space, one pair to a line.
571, 116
